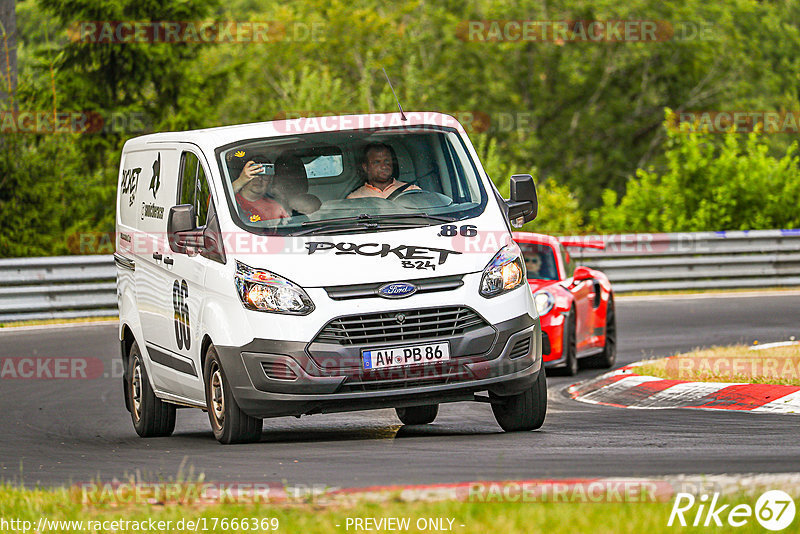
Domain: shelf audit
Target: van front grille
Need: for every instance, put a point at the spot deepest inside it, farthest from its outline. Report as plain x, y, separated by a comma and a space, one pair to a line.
405, 325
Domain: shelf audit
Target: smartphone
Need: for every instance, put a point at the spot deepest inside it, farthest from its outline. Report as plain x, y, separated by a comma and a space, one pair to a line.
267, 169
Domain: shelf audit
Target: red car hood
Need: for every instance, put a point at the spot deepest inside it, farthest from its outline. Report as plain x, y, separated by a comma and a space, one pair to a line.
536, 285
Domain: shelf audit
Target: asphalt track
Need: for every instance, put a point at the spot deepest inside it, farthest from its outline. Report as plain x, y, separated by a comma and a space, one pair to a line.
64, 431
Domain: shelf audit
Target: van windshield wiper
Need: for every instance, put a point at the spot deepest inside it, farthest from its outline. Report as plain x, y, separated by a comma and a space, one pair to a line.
395, 216
368, 222
362, 217
355, 225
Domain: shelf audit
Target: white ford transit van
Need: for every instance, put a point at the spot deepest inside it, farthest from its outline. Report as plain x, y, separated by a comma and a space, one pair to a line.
322, 265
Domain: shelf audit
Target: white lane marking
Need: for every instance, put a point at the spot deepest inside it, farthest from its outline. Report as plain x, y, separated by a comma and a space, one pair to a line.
700, 296
773, 345
787, 404
616, 387
680, 395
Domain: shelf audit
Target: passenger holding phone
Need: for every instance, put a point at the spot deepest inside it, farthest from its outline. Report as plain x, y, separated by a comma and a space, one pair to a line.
251, 193
250, 171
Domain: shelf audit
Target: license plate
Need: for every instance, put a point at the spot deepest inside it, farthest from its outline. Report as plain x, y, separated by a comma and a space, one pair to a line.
407, 355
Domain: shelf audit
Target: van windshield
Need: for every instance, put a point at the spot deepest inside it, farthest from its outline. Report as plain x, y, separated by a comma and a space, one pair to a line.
351, 181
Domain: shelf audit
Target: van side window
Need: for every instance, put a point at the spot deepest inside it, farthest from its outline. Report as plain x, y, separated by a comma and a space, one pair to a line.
194, 187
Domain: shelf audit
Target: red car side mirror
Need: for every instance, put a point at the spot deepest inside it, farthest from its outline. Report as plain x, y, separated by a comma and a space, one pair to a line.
582, 273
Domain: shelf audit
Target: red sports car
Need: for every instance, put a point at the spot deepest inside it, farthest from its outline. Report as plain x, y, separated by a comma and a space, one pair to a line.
575, 303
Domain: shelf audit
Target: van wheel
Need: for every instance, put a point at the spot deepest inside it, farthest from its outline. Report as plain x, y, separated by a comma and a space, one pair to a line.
524, 411
608, 357
151, 416
229, 423
418, 415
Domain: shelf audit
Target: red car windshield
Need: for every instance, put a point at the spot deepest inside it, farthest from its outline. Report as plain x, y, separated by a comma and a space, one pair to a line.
540, 261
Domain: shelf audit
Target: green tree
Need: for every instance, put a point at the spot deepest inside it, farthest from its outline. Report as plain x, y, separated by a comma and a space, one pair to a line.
706, 185
53, 186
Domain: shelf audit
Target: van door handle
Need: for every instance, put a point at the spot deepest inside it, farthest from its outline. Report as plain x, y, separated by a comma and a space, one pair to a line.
168, 261
157, 256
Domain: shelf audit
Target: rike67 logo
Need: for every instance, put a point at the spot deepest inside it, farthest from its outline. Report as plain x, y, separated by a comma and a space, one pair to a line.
774, 510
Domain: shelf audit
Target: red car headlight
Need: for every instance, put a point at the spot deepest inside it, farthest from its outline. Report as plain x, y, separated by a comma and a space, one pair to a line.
544, 301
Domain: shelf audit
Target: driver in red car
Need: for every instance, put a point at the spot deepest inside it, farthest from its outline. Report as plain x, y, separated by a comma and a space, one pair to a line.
533, 263
536, 267
378, 168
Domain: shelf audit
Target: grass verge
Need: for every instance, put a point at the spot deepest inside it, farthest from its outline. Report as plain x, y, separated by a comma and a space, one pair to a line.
311, 518
777, 365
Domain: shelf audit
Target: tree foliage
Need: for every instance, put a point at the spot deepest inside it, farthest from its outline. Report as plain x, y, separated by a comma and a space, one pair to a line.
708, 185
585, 118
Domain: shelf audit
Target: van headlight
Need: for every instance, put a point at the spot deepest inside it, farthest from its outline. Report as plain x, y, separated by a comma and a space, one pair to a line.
505, 272
262, 290
544, 301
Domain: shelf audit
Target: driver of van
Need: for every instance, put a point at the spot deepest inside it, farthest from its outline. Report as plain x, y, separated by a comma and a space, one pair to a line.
379, 171
251, 189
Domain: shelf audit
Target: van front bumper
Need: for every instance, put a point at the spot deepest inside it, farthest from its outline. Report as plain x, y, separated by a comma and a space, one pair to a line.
271, 378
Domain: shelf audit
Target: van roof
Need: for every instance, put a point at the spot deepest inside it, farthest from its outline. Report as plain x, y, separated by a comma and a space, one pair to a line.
214, 137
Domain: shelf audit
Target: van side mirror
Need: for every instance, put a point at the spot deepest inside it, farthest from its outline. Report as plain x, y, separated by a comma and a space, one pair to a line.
524, 203
181, 230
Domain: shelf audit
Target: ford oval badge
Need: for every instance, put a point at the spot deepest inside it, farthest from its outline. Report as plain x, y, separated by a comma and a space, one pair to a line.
397, 290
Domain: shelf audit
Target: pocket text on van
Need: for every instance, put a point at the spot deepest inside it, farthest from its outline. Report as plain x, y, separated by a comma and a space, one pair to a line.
404, 252
130, 180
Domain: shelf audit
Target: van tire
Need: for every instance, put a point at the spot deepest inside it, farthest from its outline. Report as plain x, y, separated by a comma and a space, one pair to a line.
524, 411
417, 415
228, 422
151, 416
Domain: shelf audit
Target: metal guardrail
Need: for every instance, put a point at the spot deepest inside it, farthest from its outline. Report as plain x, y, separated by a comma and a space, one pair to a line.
84, 286
698, 260
57, 287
